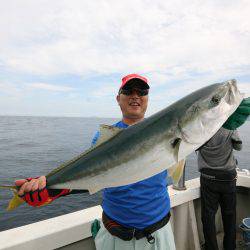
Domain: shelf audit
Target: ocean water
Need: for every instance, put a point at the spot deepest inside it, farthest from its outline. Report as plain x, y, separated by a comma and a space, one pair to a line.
33, 146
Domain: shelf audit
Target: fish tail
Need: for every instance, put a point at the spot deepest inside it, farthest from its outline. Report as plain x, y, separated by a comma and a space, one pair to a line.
16, 201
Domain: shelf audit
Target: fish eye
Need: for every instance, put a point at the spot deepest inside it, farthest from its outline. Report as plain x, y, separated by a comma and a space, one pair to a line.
215, 100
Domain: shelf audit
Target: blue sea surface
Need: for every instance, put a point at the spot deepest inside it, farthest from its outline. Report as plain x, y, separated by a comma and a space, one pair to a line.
33, 146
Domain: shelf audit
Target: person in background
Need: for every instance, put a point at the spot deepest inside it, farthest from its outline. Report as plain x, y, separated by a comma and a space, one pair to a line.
135, 216
217, 166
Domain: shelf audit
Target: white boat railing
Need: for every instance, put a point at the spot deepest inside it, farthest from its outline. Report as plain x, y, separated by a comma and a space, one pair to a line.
70, 228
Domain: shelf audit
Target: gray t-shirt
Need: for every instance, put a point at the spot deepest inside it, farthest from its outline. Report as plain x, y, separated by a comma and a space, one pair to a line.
217, 153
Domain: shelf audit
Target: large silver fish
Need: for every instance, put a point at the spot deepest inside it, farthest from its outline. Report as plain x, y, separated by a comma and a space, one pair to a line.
124, 156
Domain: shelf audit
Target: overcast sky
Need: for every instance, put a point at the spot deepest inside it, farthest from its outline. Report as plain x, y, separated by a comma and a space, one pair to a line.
66, 58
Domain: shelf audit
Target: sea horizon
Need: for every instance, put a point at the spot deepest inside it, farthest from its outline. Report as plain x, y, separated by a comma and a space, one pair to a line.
55, 116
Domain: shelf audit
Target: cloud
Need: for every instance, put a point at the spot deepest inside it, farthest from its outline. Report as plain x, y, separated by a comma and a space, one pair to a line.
113, 36
179, 45
49, 87
10, 90
245, 88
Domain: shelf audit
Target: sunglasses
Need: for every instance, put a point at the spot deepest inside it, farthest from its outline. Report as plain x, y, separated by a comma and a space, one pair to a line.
139, 92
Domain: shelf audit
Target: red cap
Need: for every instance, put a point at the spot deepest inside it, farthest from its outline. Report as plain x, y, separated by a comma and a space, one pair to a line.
129, 77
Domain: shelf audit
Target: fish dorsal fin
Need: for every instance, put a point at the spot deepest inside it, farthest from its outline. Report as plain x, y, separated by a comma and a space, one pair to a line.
176, 171
107, 132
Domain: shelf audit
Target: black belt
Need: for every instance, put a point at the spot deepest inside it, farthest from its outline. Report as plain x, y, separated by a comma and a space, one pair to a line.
219, 175
126, 233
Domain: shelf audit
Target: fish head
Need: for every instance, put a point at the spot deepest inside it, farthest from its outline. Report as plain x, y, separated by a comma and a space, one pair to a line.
206, 111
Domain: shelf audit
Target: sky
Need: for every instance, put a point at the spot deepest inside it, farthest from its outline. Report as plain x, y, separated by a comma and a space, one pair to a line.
67, 58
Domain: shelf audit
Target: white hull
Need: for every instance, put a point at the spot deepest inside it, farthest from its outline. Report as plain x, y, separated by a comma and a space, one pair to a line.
72, 231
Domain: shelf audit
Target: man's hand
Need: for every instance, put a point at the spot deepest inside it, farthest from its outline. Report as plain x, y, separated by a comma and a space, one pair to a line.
239, 116
30, 185
35, 193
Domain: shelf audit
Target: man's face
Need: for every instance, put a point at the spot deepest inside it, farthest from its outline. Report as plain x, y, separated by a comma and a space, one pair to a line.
132, 104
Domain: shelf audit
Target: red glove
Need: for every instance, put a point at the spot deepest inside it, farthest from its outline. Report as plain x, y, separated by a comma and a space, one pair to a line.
44, 196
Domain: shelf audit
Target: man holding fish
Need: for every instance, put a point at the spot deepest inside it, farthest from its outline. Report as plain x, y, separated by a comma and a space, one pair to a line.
131, 160
135, 216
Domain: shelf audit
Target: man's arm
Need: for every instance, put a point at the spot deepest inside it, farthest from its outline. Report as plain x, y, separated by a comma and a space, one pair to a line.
34, 191
95, 138
236, 141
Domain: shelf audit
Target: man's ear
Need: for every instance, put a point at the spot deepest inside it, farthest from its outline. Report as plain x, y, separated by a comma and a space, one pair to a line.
118, 98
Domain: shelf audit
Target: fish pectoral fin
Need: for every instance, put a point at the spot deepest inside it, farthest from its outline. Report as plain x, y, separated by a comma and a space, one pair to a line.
176, 145
176, 171
93, 190
16, 201
107, 132
186, 148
